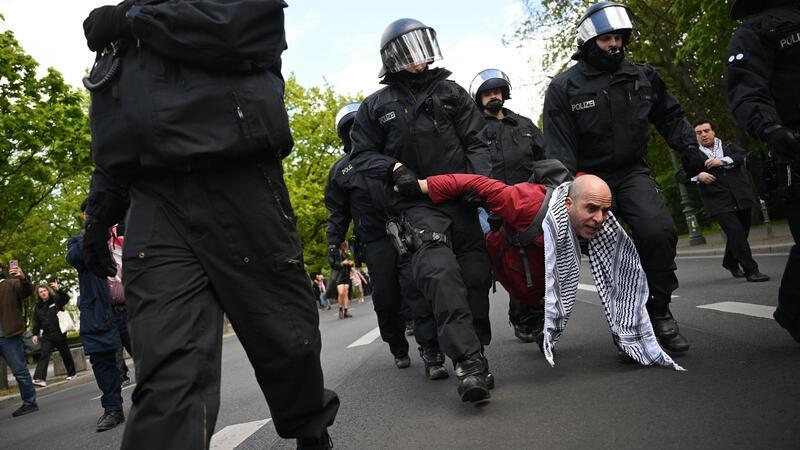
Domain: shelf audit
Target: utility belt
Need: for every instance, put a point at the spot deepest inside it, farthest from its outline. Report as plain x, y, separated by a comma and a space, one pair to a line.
408, 239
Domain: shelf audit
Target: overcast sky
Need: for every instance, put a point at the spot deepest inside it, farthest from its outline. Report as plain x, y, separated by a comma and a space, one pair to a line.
333, 41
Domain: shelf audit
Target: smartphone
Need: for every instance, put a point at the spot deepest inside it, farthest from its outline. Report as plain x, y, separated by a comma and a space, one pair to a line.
13, 264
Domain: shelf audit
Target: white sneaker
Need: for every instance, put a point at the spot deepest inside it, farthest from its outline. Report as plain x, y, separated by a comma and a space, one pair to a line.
40, 383
70, 378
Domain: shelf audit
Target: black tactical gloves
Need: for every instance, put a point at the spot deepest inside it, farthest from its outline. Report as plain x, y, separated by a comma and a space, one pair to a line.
471, 198
96, 254
107, 24
406, 182
334, 257
784, 141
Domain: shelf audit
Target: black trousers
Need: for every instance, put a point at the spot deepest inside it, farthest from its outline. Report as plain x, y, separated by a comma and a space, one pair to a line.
639, 204
199, 244
120, 319
523, 313
44, 357
789, 293
106, 375
455, 278
736, 225
387, 299
417, 308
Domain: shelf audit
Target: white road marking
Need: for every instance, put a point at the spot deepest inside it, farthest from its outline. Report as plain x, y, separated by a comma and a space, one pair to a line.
126, 387
593, 288
747, 309
232, 435
367, 338
755, 255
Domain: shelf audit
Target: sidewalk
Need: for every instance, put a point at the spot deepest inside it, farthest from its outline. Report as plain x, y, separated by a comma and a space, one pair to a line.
779, 242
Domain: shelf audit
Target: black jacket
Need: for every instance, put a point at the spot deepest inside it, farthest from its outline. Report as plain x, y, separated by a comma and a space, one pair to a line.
600, 123
434, 130
200, 86
515, 143
348, 195
732, 191
763, 69
45, 318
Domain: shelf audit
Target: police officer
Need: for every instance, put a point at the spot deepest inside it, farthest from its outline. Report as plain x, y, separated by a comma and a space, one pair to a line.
763, 68
187, 116
348, 195
423, 124
597, 118
515, 143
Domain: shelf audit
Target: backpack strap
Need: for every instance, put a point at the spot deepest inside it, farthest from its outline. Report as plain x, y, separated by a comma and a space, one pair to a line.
525, 238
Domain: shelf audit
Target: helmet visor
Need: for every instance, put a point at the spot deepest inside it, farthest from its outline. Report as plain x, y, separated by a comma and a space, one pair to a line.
488, 75
412, 48
607, 20
347, 110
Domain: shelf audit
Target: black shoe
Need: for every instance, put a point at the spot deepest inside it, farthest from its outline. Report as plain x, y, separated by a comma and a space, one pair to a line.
471, 380
109, 420
402, 362
436, 372
524, 334
784, 321
486, 374
757, 277
323, 442
667, 333
26, 408
736, 272
624, 358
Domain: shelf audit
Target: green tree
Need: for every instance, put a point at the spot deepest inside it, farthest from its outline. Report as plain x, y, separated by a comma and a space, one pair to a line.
44, 163
685, 40
312, 112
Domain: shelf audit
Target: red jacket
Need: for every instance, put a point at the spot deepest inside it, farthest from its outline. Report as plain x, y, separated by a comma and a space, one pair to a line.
517, 205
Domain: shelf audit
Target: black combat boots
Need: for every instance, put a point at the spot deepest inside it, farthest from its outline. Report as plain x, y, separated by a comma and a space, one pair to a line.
665, 326
472, 379
434, 363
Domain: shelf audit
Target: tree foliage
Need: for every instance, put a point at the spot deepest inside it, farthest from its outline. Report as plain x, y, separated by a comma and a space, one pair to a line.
685, 40
312, 112
44, 163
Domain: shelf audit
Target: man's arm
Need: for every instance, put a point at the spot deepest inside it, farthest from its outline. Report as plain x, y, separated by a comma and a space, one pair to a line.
338, 203
511, 203
669, 119
369, 141
560, 130
471, 128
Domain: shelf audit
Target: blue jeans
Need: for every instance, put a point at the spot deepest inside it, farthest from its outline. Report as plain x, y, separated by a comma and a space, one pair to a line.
323, 301
12, 350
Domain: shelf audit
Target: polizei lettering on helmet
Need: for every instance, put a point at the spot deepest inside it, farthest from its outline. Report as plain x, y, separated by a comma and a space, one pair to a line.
387, 117
790, 40
588, 104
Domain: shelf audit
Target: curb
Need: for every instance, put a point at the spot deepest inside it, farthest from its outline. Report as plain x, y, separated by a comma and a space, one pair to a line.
79, 380
719, 251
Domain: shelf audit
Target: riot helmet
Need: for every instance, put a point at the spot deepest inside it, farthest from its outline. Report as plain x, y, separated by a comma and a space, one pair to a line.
406, 43
490, 79
603, 18
344, 120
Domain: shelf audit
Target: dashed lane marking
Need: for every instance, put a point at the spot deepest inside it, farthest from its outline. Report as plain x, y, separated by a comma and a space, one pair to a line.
367, 338
233, 435
747, 309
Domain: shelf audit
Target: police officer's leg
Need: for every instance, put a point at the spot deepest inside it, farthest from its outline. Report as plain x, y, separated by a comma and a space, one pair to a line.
387, 300
420, 311
639, 204
438, 276
175, 326
788, 312
254, 261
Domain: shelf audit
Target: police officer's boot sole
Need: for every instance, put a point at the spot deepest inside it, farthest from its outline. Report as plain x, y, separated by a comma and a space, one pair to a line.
784, 321
473, 389
436, 372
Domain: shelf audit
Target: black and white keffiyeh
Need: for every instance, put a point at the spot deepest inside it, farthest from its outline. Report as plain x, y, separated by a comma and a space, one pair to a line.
618, 275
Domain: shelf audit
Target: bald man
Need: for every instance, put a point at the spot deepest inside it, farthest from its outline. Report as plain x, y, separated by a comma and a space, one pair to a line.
516, 250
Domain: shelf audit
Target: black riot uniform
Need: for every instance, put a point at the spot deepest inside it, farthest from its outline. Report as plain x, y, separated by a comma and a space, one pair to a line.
432, 126
597, 120
192, 124
763, 69
514, 144
348, 196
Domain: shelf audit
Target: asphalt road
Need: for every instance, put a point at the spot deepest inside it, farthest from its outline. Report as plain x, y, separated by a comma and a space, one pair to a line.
741, 389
